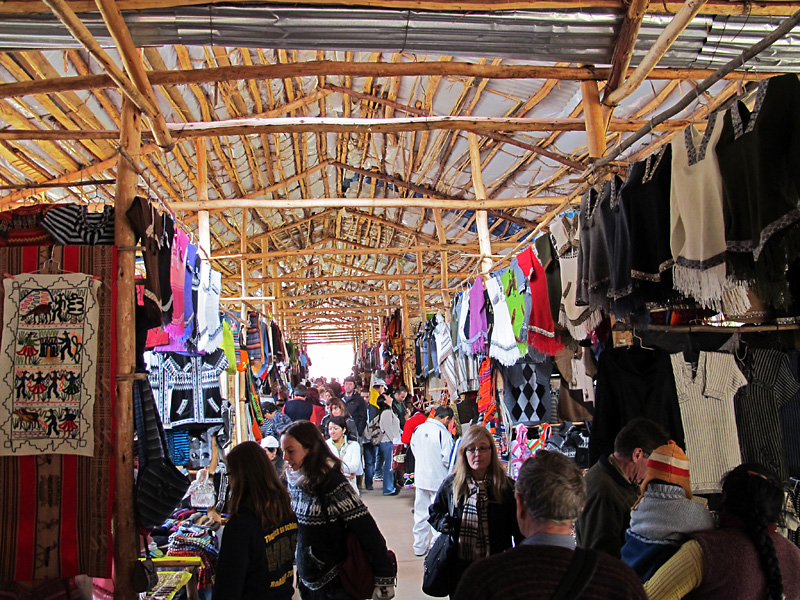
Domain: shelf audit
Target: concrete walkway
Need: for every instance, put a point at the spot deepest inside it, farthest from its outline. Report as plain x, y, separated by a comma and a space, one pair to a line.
395, 520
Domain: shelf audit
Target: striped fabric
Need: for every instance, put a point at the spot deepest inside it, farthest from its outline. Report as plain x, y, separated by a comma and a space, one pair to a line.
709, 424
73, 224
447, 365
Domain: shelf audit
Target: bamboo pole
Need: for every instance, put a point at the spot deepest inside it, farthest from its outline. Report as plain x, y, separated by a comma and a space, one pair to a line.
784, 28
355, 69
203, 222
668, 36
330, 278
481, 218
420, 288
126, 546
593, 115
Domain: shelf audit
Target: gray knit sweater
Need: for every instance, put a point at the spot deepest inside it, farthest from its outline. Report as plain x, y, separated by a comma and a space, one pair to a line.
665, 513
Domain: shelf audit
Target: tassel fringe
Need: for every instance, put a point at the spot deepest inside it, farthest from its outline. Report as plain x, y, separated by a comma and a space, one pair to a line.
505, 356
705, 286
581, 330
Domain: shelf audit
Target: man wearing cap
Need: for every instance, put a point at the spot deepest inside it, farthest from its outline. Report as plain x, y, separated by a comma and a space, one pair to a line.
550, 492
612, 487
272, 447
665, 514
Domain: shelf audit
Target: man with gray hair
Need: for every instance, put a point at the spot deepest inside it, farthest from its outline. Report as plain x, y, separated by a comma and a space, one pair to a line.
550, 494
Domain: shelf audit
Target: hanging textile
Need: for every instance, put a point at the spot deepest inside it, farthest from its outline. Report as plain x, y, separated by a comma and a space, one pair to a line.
552, 271
73, 224
55, 515
191, 265
526, 391
503, 346
478, 325
23, 226
147, 226
541, 329
444, 347
579, 320
48, 364
515, 300
212, 287
759, 160
177, 279
707, 410
194, 384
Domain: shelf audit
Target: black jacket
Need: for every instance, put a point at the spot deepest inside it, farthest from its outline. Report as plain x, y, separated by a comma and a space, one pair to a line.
357, 407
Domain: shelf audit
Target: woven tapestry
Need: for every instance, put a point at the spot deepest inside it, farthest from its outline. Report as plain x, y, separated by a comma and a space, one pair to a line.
48, 361
55, 509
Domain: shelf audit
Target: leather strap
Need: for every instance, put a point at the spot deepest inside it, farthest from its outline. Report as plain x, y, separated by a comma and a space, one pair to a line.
580, 572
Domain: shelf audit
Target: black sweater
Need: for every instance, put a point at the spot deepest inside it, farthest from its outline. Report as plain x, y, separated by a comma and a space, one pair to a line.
254, 565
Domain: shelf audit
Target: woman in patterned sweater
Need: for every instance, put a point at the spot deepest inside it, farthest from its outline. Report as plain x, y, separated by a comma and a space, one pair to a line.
327, 509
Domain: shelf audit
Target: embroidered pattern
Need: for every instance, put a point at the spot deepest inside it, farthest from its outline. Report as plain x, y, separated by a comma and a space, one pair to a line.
48, 365
777, 225
697, 154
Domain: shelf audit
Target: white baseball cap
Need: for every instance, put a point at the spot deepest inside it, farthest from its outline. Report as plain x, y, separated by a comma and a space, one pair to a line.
270, 442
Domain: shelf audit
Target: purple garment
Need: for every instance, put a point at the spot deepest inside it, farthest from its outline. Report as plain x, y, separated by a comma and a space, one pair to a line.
188, 305
478, 326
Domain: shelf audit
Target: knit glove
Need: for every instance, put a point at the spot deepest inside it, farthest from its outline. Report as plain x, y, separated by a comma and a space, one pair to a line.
383, 592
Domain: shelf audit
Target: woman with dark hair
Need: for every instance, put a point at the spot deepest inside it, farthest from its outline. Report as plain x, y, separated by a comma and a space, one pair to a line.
338, 408
328, 509
317, 409
745, 558
258, 544
348, 451
475, 503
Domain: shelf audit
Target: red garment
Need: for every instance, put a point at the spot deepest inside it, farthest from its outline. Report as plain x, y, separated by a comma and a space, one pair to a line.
411, 424
541, 329
317, 414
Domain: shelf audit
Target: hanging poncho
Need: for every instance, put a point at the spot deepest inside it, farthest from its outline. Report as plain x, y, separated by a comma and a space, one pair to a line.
478, 327
503, 346
759, 159
579, 320
191, 268
541, 330
516, 308
697, 234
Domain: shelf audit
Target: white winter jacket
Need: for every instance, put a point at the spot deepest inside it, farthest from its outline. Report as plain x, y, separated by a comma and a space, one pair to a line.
431, 444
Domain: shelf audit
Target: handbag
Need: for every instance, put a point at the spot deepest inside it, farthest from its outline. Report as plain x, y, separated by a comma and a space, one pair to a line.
355, 572
160, 486
399, 458
437, 579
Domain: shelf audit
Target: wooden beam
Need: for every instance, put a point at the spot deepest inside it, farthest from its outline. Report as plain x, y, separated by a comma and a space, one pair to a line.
331, 278
237, 127
626, 41
721, 7
481, 218
132, 60
668, 36
496, 203
593, 115
356, 69
126, 544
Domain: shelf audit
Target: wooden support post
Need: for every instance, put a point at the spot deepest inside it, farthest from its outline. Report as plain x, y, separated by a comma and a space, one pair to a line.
481, 218
203, 226
440, 232
264, 269
421, 288
593, 115
407, 344
126, 545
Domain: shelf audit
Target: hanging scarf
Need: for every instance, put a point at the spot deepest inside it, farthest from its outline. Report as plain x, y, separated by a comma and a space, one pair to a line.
177, 278
541, 329
473, 537
485, 395
503, 346
191, 267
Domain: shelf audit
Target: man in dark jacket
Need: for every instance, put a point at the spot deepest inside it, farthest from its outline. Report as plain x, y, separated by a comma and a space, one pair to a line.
612, 486
356, 405
298, 407
550, 493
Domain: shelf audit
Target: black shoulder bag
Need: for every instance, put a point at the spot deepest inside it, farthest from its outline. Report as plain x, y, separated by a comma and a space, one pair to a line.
578, 575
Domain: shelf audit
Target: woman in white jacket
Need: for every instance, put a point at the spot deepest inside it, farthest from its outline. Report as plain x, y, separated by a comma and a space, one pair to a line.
391, 432
348, 451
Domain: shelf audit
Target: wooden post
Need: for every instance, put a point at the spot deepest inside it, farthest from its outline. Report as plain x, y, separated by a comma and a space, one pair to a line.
481, 218
593, 115
421, 288
203, 226
126, 545
407, 345
264, 269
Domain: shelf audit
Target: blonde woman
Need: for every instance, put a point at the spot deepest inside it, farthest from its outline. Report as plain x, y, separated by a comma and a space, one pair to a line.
475, 503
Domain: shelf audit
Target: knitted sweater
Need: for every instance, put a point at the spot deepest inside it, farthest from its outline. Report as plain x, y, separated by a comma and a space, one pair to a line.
534, 573
324, 519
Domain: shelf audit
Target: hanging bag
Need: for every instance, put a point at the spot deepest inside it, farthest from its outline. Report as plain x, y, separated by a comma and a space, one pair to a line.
201, 491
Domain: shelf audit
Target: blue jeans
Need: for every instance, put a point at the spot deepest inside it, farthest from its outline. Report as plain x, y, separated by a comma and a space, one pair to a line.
385, 456
369, 463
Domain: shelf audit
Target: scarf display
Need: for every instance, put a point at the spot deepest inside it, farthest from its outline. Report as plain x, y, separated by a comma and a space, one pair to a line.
503, 345
444, 346
473, 537
213, 289
515, 301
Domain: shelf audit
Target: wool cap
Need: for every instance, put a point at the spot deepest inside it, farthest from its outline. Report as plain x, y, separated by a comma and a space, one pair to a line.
670, 464
270, 442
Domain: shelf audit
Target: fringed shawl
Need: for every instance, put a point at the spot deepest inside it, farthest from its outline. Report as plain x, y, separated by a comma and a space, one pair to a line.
503, 346
478, 326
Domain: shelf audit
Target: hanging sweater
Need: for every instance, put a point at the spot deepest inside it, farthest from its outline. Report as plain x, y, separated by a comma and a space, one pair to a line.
504, 344
759, 160
478, 334
697, 229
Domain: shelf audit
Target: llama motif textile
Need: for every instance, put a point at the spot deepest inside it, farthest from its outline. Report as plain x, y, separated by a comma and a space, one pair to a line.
48, 364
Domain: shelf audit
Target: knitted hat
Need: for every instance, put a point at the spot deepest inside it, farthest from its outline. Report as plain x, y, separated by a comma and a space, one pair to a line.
670, 464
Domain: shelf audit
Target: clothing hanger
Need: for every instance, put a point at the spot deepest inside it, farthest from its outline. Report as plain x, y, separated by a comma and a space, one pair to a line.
641, 343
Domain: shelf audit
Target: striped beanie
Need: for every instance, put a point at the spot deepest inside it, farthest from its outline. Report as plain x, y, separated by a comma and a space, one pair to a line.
670, 464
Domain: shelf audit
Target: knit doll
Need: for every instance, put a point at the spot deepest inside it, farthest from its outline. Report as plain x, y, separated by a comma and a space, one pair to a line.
665, 513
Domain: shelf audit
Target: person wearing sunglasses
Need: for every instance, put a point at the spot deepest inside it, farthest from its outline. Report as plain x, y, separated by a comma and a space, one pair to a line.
476, 504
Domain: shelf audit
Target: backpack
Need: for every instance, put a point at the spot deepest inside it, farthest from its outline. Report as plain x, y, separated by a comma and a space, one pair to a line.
373, 432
